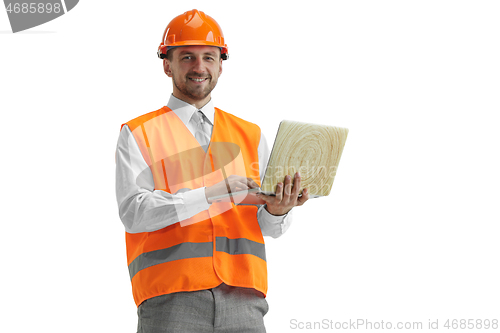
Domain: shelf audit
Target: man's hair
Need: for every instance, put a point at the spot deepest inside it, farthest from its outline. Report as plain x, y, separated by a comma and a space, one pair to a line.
169, 54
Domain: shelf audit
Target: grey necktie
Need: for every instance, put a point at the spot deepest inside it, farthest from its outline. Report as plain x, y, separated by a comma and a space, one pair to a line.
203, 129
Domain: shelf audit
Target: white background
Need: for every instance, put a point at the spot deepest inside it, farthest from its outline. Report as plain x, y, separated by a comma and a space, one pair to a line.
410, 231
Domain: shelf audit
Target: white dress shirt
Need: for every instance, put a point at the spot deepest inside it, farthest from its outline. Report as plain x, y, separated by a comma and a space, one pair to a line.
144, 209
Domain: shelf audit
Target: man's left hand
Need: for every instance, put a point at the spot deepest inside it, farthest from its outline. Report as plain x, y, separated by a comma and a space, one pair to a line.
286, 198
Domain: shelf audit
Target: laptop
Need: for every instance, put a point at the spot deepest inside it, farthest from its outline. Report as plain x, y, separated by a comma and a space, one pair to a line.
311, 149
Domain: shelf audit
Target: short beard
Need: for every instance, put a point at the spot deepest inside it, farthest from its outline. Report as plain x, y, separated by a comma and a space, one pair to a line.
195, 95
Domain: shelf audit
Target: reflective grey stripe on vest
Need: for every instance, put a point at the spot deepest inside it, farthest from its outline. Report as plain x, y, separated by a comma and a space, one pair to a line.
240, 246
196, 250
176, 252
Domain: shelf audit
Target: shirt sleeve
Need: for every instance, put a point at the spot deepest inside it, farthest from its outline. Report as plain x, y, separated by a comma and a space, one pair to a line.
141, 208
270, 225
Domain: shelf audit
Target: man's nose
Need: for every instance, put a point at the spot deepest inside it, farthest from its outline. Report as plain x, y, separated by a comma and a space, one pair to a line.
198, 65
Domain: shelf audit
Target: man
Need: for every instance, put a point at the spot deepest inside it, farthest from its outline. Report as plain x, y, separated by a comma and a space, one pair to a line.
196, 265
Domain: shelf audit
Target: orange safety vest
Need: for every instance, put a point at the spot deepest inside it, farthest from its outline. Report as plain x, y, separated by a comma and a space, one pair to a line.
221, 244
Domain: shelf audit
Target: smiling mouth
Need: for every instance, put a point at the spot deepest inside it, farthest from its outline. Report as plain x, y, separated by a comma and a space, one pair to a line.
198, 79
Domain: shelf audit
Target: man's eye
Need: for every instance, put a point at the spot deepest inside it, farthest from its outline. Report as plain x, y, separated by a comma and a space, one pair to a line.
187, 58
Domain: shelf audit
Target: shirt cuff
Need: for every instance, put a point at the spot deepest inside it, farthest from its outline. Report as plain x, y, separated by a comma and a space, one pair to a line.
272, 218
272, 225
188, 202
196, 199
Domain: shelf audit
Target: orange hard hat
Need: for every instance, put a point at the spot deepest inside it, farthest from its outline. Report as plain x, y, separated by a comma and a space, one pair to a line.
192, 28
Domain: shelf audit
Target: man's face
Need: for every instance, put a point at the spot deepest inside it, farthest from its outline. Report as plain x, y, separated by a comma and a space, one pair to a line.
194, 71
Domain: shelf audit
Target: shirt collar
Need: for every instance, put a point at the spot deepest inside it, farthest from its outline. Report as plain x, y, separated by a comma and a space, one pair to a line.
185, 111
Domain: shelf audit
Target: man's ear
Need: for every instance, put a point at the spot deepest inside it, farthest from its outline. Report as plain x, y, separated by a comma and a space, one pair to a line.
220, 66
166, 67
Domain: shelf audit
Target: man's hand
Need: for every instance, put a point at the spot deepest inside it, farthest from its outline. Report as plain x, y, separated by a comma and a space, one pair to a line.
286, 198
232, 184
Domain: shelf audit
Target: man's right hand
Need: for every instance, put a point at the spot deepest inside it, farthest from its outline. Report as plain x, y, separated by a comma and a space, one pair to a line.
232, 184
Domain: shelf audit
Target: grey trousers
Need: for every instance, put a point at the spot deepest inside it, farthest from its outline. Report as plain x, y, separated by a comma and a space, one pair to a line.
224, 309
